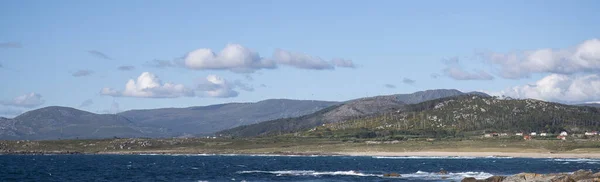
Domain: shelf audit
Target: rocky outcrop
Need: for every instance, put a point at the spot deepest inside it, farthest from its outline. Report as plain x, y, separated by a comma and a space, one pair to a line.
577, 176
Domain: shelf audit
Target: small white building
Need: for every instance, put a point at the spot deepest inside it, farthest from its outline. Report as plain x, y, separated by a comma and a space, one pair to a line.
487, 135
591, 133
503, 134
533, 134
519, 134
543, 134
564, 133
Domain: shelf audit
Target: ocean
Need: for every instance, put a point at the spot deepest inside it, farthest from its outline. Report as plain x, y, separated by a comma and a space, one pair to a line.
195, 168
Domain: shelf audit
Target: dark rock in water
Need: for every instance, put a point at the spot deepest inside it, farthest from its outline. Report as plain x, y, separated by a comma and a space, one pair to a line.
391, 175
469, 179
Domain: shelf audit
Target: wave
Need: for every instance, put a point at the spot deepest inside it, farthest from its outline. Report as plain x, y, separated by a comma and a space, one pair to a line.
440, 157
453, 176
576, 160
310, 173
248, 155
417, 175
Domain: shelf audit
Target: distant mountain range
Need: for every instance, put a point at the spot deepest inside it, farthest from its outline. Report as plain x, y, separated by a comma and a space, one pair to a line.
68, 123
351, 109
445, 116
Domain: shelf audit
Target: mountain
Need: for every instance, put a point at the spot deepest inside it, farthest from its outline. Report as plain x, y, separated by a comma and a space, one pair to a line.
468, 113
205, 120
67, 123
590, 104
351, 109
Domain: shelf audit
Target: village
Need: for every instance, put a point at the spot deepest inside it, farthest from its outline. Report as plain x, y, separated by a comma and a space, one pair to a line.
529, 136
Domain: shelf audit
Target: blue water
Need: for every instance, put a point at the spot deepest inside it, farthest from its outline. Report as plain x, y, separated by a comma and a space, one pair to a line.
269, 168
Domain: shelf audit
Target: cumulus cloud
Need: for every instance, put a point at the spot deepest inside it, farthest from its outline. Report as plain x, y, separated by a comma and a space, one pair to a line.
389, 86
300, 60
338, 62
233, 57
4, 45
455, 71
160, 63
559, 88
126, 68
584, 57
149, 85
239, 59
408, 81
82, 73
29, 100
86, 103
215, 86
99, 54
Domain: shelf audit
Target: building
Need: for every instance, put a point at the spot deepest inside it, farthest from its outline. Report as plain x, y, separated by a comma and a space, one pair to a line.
591, 133
543, 134
503, 134
519, 134
533, 134
487, 135
562, 137
564, 133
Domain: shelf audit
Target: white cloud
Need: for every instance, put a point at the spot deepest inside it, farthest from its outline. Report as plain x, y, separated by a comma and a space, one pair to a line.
455, 71
233, 57
300, 60
149, 85
584, 57
338, 62
239, 59
559, 88
215, 86
160, 63
29, 100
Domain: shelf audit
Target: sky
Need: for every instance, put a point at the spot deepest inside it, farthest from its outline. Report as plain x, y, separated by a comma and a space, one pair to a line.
111, 56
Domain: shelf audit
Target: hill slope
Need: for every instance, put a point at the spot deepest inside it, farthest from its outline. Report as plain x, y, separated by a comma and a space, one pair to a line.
210, 119
66, 123
351, 109
454, 115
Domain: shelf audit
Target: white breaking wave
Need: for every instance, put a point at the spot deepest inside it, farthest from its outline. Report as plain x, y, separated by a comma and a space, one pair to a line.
440, 157
453, 176
417, 175
310, 173
576, 160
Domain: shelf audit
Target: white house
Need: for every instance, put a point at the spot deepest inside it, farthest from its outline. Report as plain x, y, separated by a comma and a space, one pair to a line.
487, 135
564, 133
533, 134
519, 134
543, 134
591, 133
503, 134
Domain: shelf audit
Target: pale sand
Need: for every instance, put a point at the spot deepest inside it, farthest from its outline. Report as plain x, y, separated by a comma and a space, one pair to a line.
475, 154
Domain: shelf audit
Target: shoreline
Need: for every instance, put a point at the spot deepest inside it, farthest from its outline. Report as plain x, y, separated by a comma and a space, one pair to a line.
424, 154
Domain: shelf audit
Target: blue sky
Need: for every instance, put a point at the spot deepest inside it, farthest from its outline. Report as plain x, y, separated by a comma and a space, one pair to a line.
68, 53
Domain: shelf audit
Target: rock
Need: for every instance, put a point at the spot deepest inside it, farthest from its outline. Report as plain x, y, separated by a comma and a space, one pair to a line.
581, 174
590, 180
391, 175
494, 179
523, 177
442, 171
562, 178
469, 179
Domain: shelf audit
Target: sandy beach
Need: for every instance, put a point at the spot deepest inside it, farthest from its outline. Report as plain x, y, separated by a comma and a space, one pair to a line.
475, 154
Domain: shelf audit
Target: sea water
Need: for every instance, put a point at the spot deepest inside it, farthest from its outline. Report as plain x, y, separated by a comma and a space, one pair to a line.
271, 168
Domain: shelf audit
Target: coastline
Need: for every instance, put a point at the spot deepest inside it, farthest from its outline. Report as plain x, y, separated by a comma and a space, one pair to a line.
433, 154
